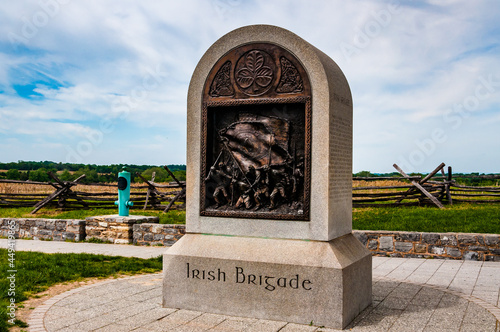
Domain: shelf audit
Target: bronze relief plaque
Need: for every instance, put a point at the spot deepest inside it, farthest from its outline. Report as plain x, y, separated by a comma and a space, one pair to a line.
256, 136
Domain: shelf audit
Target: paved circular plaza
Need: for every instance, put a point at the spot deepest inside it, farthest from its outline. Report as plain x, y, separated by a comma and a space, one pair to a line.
433, 296
409, 294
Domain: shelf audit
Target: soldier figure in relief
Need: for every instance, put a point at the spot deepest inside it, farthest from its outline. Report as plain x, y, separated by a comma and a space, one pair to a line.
261, 186
245, 199
297, 180
281, 181
222, 179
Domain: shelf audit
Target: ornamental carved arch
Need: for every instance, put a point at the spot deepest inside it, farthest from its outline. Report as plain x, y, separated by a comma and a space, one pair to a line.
260, 70
256, 135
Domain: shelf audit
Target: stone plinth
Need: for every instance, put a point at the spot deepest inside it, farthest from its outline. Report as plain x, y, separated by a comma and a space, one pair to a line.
326, 283
115, 228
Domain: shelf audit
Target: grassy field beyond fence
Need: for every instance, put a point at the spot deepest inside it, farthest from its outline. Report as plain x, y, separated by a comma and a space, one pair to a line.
460, 218
170, 217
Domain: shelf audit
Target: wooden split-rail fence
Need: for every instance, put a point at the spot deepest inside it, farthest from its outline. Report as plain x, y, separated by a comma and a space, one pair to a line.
437, 188
73, 195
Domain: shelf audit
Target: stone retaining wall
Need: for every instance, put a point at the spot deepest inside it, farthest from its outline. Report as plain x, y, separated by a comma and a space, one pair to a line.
44, 229
157, 234
115, 229
477, 247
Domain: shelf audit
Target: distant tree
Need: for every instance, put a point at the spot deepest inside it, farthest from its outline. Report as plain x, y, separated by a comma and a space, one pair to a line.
177, 167
363, 174
94, 173
161, 174
66, 176
13, 174
39, 175
179, 175
91, 175
104, 169
24, 176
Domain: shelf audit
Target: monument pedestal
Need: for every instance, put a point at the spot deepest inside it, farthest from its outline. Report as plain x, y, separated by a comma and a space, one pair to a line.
326, 283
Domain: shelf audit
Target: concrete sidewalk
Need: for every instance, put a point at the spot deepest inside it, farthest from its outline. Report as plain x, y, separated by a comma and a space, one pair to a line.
52, 247
408, 295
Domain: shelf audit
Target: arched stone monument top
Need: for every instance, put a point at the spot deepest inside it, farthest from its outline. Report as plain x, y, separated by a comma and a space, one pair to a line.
280, 74
324, 73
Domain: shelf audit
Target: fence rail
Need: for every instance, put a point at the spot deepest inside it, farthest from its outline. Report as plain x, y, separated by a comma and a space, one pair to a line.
140, 195
396, 195
470, 194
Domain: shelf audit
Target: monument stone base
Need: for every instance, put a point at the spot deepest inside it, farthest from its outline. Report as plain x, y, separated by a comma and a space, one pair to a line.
326, 283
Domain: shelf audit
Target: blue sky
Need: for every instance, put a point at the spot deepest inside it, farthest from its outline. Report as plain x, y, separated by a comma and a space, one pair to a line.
105, 82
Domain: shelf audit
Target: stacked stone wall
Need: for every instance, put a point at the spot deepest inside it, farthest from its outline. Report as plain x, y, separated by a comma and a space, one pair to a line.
157, 234
114, 229
477, 247
43, 229
141, 231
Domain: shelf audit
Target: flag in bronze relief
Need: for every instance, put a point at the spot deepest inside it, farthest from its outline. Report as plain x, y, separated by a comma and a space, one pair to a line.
257, 141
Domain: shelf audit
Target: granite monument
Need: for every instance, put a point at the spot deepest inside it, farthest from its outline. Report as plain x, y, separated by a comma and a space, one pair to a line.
269, 177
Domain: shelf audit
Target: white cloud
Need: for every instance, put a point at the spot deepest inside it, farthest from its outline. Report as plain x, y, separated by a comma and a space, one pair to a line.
418, 62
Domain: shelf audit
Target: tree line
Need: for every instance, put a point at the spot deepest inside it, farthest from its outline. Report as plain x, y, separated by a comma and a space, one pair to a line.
37, 171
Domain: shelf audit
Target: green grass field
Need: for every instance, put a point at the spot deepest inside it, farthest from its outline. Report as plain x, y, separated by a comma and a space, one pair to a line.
461, 218
37, 271
170, 217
